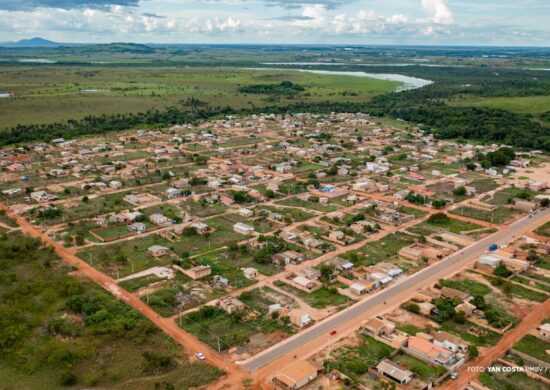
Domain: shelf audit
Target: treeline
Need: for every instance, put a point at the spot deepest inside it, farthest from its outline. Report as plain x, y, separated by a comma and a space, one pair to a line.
426, 106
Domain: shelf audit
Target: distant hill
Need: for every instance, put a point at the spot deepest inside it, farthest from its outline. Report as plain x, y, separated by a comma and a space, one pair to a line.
33, 42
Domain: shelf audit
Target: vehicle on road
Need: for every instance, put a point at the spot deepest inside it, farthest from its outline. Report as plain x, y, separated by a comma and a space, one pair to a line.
333, 332
200, 356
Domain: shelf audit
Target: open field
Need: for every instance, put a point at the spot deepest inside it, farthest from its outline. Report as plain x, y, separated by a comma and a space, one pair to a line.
53, 94
519, 104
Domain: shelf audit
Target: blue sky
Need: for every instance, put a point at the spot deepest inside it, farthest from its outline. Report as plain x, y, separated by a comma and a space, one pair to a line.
450, 22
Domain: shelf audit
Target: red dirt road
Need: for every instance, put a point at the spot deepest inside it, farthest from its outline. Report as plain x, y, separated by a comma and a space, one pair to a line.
466, 374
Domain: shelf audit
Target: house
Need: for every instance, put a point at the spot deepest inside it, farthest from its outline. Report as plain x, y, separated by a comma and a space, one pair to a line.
42, 196
173, 192
358, 289
310, 273
296, 375
311, 242
137, 227
396, 373
420, 345
466, 307
490, 260
157, 250
242, 228
305, 283
288, 257
426, 308
341, 264
159, 219
231, 305
246, 213
250, 273
299, 318
450, 341
378, 327
336, 235
200, 271
200, 227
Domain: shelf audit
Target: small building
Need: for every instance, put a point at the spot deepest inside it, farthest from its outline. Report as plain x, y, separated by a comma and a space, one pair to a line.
378, 327
336, 235
158, 219
305, 283
358, 289
396, 373
200, 227
246, 213
296, 375
425, 348
490, 260
231, 305
200, 271
466, 307
299, 318
288, 257
426, 308
242, 228
250, 273
158, 250
137, 227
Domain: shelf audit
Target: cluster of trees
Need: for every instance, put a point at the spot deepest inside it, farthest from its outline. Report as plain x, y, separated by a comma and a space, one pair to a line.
282, 88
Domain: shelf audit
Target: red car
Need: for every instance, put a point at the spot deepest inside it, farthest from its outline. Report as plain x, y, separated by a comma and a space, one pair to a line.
332, 332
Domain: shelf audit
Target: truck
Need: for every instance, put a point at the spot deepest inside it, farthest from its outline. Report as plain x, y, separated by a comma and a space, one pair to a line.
493, 247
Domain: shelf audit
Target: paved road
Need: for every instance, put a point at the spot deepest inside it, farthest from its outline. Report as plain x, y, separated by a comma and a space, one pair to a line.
418, 280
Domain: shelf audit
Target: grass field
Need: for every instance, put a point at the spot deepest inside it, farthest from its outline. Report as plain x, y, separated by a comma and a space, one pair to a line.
511, 380
59, 93
534, 346
519, 104
320, 299
355, 361
544, 230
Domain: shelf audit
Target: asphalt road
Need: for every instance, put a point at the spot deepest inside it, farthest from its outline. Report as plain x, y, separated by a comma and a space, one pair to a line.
439, 270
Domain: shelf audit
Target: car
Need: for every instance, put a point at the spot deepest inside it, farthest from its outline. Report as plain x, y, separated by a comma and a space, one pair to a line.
454, 375
333, 332
200, 356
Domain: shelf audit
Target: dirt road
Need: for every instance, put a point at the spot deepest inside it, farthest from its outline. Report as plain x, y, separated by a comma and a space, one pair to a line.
467, 374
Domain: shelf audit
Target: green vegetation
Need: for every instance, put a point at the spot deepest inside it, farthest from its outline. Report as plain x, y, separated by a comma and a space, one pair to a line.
319, 299
356, 361
544, 230
283, 88
534, 346
499, 215
517, 290
509, 380
440, 221
425, 371
384, 249
57, 330
211, 324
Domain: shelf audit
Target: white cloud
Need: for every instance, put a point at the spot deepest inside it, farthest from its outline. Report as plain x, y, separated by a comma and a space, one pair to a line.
439, 10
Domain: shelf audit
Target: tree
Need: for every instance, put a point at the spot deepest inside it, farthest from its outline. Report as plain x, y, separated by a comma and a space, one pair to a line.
85, 199
502, 271
459, 191
473, 351
545, 202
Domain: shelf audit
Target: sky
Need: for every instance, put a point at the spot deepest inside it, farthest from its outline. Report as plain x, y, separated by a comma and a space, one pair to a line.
358, 22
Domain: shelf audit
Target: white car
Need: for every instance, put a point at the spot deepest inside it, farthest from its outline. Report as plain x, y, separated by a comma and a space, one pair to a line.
200, 356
